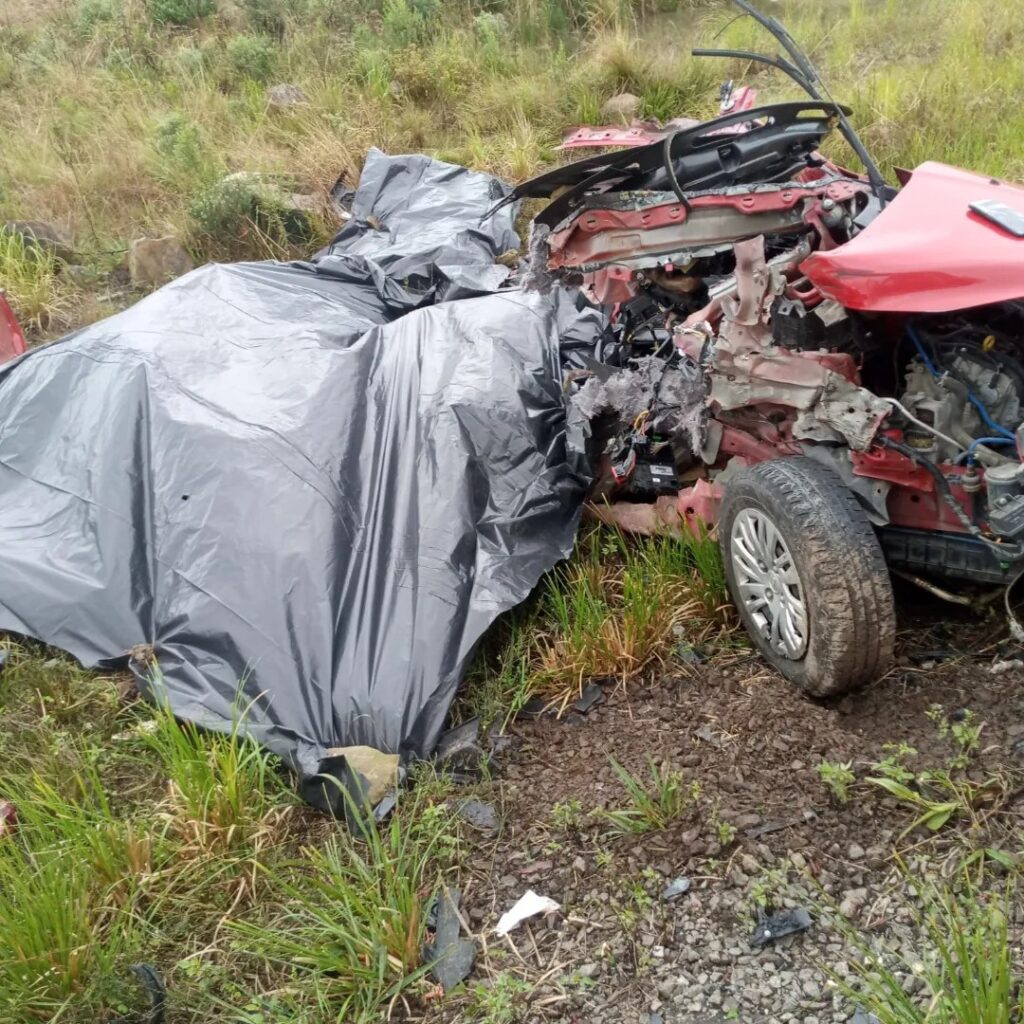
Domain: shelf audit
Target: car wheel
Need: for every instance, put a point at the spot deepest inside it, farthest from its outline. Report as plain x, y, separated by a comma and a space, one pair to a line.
807, 574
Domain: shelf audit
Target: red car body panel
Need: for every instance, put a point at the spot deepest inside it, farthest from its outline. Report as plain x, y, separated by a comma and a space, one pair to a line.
928, 252
12, 341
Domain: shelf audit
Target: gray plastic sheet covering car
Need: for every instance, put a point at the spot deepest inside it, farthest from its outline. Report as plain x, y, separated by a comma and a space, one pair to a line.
309, 487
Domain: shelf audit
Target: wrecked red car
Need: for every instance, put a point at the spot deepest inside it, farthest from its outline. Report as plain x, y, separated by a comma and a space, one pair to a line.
827, 369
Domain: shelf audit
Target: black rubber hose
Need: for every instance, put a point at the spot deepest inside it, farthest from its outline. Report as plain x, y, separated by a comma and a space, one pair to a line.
671, 171
1012, 552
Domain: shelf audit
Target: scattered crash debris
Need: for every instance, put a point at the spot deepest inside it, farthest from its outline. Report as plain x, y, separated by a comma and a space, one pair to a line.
528, 905
592, 695
482, 816
997, 668
677, 887
152, 983
449, 956
771, 927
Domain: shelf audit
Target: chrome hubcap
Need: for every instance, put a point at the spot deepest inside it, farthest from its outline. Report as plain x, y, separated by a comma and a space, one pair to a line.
768, 583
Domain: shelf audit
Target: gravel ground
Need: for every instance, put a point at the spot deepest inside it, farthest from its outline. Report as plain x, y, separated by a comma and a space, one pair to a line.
764, 830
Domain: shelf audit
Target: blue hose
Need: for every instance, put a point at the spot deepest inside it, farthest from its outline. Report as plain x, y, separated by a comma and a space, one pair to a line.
990, 441
971, 397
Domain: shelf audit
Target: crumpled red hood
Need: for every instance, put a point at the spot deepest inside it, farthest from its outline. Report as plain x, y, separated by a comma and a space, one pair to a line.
927, 252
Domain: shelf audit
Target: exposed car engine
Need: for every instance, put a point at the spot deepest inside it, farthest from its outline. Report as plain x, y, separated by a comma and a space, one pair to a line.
823, 368
738, 336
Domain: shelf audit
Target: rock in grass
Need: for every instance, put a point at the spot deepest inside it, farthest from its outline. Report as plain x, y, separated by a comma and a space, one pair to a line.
480, 815
378, 769
39, 234
286, 96
621, 109
155, 261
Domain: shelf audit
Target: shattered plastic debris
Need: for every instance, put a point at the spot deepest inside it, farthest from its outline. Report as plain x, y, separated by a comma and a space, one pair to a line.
999, 668
676, 393
528, 905
480, 815
449, 955
676, 887
592, 696
153, 984
780, 924
863, 1017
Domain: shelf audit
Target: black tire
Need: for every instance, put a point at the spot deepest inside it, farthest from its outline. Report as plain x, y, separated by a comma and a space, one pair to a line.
842, 594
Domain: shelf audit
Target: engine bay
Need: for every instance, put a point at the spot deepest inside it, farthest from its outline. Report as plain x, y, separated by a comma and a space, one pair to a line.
739, 333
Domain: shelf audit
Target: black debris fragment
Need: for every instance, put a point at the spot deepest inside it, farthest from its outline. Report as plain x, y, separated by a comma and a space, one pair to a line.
676, 887
780, 924
756, 831
460, 753
153, 984
591, 696
449, 955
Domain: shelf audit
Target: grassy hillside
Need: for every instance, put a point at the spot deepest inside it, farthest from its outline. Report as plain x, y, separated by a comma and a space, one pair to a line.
121, 118
141, 840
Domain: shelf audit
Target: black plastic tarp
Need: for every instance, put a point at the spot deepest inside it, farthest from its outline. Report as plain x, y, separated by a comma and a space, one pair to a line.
310, 487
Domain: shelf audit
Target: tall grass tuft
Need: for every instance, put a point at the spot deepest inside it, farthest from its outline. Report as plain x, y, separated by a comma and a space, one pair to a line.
224, 792
28, 273
68, 878
654, 803
352, 913
966, 966
615, 611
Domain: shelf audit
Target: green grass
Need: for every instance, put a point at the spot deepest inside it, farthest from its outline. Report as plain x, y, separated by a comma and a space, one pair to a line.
967, 966
615, 611
140, 839
352, 917
652, 803
120, 115
29, 274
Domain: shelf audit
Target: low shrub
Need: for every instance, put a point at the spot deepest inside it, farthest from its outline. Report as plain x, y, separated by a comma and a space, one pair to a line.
180, 12
253, 57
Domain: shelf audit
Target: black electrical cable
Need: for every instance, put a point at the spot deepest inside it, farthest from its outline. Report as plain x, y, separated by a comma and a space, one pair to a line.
671, 171
1011, 552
